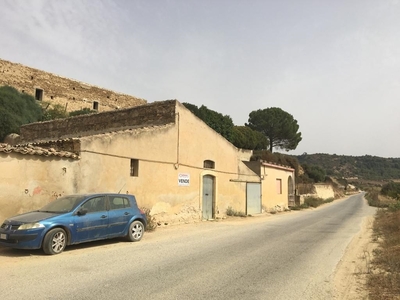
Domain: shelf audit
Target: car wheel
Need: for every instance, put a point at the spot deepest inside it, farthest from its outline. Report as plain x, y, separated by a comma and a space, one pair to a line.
136, 230
55, 241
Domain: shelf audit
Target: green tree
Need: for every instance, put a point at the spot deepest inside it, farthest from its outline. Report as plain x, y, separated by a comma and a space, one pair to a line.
222, 124
246, 138
278, 126
316, 173
16, 109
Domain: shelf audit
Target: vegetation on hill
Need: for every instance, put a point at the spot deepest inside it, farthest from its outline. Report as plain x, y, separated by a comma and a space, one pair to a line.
362, 167
16, 109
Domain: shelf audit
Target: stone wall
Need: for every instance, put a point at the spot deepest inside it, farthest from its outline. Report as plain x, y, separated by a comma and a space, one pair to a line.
156, 113
71, 94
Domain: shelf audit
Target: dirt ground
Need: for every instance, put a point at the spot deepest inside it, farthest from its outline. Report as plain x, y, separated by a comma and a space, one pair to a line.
351, 272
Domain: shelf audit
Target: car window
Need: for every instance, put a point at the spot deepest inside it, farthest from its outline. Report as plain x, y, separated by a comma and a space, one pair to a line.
95, 204
119, 202
63, 204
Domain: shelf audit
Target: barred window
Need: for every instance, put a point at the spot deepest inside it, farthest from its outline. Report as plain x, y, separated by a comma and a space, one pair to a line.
134, 167
209, 164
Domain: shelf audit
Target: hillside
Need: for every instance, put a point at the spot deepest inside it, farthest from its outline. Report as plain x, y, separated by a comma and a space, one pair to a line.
362, 167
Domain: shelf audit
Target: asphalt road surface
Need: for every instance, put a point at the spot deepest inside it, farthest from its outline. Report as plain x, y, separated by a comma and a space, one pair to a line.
284, 256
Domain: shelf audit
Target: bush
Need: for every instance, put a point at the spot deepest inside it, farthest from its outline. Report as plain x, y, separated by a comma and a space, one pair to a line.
394, 206
151, 221
54, 112
373, 199
391, 189
234, 213
83, 111
313, 201
299, 207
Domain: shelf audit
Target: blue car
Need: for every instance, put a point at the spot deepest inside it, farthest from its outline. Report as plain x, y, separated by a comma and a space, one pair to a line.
75, 219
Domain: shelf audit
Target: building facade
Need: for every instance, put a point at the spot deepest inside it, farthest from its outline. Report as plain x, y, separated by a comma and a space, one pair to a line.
176, 165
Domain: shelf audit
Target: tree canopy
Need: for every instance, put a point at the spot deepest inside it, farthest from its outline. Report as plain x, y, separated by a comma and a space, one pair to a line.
222, 124
278, 126
246, 138
16, 109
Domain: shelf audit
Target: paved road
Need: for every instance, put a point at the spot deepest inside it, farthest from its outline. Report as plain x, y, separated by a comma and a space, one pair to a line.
284, 256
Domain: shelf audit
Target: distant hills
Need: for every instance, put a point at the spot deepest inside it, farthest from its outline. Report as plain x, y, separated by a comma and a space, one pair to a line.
361, 167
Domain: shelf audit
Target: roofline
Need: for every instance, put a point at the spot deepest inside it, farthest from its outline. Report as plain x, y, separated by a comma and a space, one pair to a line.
280, 167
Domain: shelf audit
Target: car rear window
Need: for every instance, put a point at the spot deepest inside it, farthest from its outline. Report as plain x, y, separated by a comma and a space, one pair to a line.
119, 202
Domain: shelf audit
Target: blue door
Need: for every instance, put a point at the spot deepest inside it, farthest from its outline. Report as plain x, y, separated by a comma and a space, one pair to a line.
94, 224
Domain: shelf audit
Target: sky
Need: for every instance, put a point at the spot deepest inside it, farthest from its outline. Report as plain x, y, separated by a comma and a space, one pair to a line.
334, 65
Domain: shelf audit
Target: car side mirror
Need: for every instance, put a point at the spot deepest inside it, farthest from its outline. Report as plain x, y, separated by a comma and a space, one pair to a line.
82, 212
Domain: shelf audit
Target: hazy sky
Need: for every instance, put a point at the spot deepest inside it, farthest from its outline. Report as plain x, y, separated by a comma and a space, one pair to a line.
333, 64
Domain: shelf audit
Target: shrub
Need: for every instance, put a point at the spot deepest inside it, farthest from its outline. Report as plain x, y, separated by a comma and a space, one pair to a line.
373, 199
329, 200
313, 201
391, 189
394, 206
83, 111
151, 221
234, 213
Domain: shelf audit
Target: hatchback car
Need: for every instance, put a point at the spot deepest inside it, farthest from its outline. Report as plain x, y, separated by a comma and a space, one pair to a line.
75, 219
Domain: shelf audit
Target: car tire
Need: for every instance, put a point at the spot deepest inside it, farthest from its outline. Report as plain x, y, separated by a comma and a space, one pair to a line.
136, 231
55, 241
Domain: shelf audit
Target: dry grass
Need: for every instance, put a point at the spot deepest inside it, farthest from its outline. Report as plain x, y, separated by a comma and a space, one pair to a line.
384, 280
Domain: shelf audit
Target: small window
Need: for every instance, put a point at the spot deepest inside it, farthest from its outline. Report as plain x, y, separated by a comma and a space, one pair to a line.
134, 167
279, 186
39, 94
209, 164
95, 105
51, 97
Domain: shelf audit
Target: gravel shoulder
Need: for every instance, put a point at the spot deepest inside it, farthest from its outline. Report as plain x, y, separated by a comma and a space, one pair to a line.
351, 273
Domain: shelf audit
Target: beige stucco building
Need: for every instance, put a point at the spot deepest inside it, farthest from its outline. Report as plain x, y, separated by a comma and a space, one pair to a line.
177, 166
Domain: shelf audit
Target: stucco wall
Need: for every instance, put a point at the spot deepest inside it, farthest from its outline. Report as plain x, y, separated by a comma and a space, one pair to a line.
272, 199
323, 191
30, 182
71, 94
164, 151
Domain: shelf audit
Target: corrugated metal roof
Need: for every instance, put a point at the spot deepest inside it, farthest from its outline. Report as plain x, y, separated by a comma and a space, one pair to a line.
29, 149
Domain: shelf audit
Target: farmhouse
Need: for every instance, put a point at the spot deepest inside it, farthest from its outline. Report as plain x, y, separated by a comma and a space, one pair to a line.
176, 165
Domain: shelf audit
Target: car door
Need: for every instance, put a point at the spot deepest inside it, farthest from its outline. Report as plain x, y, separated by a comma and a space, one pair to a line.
120, 214
94, 224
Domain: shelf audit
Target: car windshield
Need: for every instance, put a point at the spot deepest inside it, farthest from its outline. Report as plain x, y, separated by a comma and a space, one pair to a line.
63, 204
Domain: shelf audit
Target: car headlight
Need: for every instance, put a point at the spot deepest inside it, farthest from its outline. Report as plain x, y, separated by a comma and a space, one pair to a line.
30, 226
